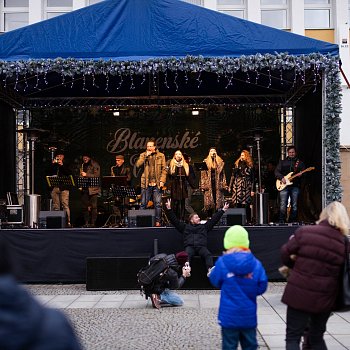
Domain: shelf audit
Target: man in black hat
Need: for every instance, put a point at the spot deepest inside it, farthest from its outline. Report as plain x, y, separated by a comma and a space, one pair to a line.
60, 193
121, 169
90, 169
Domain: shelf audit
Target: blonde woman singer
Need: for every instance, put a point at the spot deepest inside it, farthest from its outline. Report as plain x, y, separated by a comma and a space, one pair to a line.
213, 182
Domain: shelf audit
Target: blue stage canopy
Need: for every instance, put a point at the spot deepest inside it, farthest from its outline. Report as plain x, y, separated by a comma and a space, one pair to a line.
143, 29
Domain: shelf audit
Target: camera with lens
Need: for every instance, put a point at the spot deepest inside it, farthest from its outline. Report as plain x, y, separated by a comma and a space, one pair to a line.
187, 268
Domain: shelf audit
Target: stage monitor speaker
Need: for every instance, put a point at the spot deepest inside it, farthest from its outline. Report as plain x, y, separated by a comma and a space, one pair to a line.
142, 218
52, 219
234, 216
113, 273
14, 214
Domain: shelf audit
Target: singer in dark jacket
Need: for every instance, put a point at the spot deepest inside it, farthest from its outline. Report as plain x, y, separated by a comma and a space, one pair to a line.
195, 234
178, 180
315, 255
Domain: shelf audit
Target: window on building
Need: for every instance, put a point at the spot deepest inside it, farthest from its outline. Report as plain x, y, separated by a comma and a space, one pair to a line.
14, 14
59, 3
93, 2
318, 14
16, 3
54, 8
15, 20
235, 8
275, 13
195, 2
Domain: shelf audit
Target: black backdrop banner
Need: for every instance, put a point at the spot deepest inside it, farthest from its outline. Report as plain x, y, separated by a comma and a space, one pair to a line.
104, 134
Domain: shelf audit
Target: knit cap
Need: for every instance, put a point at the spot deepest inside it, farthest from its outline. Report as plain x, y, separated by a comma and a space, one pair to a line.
236, 236
181, 258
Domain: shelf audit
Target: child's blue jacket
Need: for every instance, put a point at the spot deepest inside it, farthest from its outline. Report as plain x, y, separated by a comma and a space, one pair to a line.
241, 278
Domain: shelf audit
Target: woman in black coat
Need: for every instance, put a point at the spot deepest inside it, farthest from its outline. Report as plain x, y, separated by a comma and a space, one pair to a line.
316, 255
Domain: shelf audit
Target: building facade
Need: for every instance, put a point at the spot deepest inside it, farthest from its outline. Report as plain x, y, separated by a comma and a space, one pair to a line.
327, 20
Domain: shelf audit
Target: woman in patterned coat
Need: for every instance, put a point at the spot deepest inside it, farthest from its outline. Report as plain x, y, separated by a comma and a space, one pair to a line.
241, 182
213, 182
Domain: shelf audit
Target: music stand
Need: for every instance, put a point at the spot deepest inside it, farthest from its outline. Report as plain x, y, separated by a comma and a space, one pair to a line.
108, 181
201, 166
119, 188
57, 181
86, 182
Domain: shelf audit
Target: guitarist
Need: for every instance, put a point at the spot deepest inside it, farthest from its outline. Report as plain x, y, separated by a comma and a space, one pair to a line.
284, 167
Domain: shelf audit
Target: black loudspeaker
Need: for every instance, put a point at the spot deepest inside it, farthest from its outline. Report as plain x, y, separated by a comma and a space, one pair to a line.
234, 216
142, 218
14, 214
112, 273
52, 219
120, 273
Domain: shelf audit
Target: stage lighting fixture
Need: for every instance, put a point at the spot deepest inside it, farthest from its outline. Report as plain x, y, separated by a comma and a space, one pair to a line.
116, 113
195, 112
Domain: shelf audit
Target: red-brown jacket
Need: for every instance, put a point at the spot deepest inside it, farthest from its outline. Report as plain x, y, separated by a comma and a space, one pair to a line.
313, 283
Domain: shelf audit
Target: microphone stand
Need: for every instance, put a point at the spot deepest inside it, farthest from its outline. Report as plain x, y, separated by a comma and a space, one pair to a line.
257, 138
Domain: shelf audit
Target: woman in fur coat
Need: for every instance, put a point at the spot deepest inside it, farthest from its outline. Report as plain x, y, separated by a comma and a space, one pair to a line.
213, 182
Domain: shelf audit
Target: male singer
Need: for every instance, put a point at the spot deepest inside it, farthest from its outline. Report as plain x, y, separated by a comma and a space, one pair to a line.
153, 177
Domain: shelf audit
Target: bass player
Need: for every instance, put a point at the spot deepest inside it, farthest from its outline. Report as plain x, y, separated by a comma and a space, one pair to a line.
286, 166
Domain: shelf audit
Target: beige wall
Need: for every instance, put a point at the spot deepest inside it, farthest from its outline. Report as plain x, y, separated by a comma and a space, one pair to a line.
345, 175
321, 34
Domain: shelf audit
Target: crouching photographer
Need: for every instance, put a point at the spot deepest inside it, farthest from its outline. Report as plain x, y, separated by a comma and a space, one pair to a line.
164, 274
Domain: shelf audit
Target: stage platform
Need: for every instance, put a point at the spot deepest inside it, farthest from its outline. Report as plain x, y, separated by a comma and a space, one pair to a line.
60, 255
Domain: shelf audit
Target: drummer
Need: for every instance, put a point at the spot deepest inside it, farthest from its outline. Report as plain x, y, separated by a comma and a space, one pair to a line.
179, 175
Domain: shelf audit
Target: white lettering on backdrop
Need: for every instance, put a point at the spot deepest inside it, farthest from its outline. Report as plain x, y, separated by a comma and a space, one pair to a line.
125, 140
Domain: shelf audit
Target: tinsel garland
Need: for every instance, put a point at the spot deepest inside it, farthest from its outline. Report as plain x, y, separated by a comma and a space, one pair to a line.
223, 67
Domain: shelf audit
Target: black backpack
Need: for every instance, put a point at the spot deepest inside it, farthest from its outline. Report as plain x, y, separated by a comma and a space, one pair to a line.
152, 278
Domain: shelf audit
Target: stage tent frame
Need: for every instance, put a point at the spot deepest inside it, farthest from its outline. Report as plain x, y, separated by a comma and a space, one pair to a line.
164, 52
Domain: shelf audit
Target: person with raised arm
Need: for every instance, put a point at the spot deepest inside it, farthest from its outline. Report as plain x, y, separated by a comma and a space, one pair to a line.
195, 234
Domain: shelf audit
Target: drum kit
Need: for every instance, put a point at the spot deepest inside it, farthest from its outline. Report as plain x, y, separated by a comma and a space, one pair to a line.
118, 213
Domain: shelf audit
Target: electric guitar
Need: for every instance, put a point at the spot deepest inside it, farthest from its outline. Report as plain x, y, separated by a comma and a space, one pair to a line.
281, 186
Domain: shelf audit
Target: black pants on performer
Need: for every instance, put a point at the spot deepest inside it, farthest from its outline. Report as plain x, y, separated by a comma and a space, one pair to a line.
89, 201
203, 252
298, 320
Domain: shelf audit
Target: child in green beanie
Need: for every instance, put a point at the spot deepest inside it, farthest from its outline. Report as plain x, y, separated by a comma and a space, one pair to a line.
241, 278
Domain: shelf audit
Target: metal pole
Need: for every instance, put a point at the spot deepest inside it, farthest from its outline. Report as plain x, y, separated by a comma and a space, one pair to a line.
32, 140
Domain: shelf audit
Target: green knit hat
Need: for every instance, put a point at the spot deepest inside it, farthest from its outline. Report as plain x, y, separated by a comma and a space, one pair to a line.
236, 236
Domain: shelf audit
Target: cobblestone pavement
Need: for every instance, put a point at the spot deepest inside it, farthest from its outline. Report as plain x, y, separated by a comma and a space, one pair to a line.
125, 320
